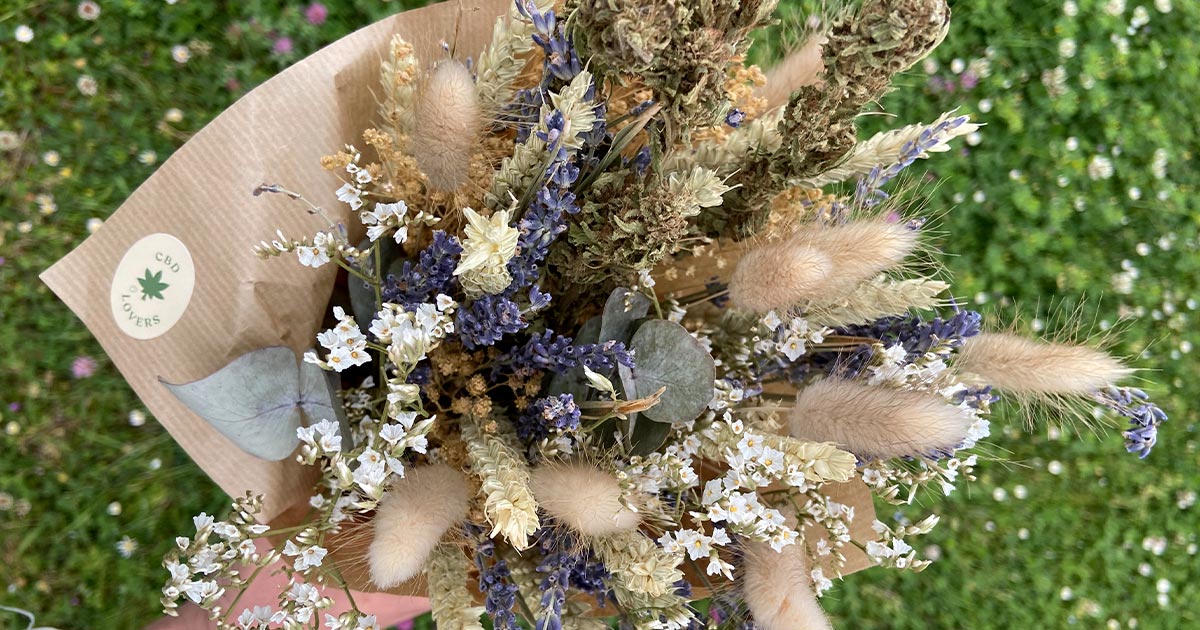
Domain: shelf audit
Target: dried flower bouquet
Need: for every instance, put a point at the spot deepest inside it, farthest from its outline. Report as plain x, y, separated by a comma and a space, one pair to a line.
616, 334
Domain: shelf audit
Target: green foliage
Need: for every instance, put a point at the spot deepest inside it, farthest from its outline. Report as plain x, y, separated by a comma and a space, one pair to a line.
1031, 225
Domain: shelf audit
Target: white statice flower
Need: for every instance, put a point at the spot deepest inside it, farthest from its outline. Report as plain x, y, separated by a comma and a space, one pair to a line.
318, 253
351, 196
489, 244
820, 582
386, 216
307, 556
202, 591
345, 345
302, 601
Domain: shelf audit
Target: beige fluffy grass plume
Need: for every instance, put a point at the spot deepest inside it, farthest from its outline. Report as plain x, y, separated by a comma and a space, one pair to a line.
876, 422
412, 517
818, 264
1019, 365
447, 125
583, 497
778, 275
778, 589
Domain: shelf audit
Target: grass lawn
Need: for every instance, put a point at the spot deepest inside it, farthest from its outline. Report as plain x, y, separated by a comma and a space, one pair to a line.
1083, 182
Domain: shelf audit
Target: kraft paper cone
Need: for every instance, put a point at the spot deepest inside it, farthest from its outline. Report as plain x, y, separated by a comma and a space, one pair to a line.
202, 198
189, 231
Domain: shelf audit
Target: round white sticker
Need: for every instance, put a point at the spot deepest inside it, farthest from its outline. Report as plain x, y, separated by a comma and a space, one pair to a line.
152, 286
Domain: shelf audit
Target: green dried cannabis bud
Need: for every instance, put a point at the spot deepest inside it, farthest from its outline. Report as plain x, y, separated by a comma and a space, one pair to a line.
680, 50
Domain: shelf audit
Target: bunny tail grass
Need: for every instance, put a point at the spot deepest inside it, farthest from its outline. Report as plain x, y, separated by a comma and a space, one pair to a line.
860, 250
778, 275
778, 589
1014, 364
584, 498
818, 264
876, 422
413, 516
447, 125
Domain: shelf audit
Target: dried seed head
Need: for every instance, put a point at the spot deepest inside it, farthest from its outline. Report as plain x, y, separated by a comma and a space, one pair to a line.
584, 498
447, 125
1018, 365
778, 589
876, 422
412, 517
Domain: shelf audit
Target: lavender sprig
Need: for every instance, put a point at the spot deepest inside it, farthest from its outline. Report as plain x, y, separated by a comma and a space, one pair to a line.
868, 192
1144, 416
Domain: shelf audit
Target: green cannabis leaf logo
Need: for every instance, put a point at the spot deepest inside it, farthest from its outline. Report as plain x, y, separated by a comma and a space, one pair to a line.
152, 285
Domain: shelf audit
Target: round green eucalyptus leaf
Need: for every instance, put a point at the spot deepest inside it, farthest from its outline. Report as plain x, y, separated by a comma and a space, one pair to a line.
666, 355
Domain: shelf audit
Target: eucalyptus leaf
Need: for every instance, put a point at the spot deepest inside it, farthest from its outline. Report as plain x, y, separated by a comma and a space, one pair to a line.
622, 309
362, 295
260, 398
648, 436
668, 356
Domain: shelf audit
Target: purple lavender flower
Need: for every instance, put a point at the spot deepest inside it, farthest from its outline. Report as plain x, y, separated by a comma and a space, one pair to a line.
495, 582
548, 351
735, 118
432, 274
558, 412
868, 192
1144, 416
487, 320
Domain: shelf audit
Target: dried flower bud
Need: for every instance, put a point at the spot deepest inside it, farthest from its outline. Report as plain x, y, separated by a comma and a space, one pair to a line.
818, 264
877, 422
777, 276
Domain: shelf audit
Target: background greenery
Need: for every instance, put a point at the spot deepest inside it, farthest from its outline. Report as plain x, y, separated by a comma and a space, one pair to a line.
1065, 532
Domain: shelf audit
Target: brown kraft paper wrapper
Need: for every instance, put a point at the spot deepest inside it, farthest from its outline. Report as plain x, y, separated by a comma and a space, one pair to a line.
195, 223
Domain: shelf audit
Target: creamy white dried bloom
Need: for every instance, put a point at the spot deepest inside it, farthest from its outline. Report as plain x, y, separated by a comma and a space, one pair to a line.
489, 244
509, 504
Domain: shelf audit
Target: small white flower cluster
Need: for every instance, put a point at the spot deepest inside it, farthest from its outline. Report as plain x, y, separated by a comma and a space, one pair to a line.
393, 216
311, 253
890, 550
668, 470
322, 439
791, 337
752, 464
351, 192
411, 335
888, 480
204, 564
345, 344
304, 548
698, 545
835, 518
